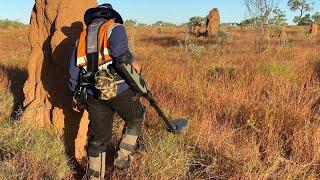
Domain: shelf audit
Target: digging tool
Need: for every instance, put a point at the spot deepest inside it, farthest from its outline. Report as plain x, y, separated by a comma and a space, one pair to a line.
137, 83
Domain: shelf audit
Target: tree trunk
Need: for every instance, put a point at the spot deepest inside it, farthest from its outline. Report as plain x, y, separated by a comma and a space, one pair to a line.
55, 25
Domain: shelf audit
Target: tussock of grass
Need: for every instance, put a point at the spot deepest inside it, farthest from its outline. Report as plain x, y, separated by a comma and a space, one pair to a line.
6, 97
222, 36
194, 50
167, 157
6, 104
221, 72
28, 152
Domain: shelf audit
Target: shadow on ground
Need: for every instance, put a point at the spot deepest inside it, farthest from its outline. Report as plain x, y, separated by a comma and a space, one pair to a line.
17, 78
172, 41
167, 41
54, 76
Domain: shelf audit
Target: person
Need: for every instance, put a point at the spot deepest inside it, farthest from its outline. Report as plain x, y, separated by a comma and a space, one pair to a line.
103, 91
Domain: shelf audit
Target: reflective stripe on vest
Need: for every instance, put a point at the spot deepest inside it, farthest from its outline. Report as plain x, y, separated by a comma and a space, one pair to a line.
103, 44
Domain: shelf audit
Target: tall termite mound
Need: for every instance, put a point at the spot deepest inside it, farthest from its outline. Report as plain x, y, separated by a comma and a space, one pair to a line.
213, 22
313, 29
197, 28
54, 27
283, 36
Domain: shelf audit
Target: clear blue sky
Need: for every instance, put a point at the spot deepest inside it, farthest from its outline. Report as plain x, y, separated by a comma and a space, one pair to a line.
147, 11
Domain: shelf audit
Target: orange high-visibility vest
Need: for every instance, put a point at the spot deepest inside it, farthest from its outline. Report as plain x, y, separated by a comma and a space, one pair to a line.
103, 44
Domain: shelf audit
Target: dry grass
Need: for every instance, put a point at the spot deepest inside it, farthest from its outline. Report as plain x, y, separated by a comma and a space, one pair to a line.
254, 114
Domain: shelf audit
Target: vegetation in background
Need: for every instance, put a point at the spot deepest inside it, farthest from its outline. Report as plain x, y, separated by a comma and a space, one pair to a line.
194, 50
316, 17
130, 22
9, 24
278, 18
162, 23
303, 6
197, 20
261, 11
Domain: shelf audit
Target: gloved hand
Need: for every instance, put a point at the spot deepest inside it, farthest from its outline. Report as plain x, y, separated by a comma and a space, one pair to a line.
78, 104
75, 106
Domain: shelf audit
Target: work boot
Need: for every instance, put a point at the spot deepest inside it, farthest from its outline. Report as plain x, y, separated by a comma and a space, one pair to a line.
123, 160
96, 167
126, 148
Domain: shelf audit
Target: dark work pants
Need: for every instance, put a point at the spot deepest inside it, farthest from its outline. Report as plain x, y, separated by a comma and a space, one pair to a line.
101, 115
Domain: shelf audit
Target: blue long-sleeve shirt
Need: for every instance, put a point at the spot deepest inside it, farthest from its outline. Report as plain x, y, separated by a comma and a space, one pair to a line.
118, 46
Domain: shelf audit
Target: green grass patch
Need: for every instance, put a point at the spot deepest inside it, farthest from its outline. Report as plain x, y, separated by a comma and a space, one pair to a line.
279, 69
30, 153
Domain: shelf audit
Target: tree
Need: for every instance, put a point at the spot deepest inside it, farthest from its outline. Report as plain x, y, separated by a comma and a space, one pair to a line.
261, 9
130, 22
196, 20
194, 24
163, 23
302, 6
249, 22
278, 18
304, 20
316, 17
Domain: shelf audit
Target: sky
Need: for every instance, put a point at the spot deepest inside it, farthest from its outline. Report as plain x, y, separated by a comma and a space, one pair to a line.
147, 11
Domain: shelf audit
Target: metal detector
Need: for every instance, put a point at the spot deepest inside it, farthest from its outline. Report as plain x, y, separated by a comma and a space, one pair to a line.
138, 85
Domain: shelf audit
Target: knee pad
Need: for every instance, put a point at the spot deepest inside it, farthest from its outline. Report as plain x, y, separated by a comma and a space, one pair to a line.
136, 122
129, 140
96, 147
141, 116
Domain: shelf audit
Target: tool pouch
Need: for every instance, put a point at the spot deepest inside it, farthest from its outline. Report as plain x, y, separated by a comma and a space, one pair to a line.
106, 84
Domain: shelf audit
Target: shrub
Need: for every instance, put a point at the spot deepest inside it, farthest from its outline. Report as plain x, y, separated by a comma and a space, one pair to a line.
222, 36
193, 49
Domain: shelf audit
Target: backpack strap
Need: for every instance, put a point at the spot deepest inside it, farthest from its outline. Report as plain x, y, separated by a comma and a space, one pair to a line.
93, 46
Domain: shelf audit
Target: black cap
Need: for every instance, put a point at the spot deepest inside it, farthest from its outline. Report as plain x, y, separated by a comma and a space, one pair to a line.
102, 11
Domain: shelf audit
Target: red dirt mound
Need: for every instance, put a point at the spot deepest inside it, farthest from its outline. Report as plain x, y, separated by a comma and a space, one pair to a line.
55, 25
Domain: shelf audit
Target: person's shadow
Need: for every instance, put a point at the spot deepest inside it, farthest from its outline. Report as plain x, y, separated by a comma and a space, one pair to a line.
55, 74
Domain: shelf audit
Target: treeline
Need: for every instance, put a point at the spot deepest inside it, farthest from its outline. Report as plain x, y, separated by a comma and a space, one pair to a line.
10, 24
268, 12
131, 22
